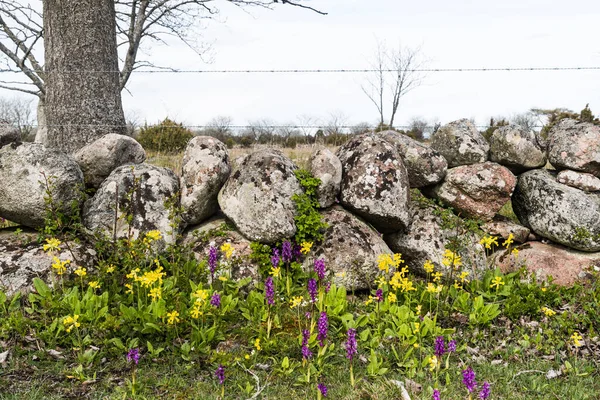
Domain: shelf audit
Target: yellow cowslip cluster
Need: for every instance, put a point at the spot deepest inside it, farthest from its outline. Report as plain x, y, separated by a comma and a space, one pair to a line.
275, 272
257, 344
154, 235
496, 282
80, 272
431, 288
391, 298
71, 322
548, 312
509, 240
451, 259
436, 276
60, 266
155, 293
400, 281
488, 241
386, 261
428, 266
94, 284
305, 247
149, 278
576, 338
199, 297
433, 362
110, 269
417, 328
52, 245
515, 252
381, 281
227, 249
296, 301
172, 317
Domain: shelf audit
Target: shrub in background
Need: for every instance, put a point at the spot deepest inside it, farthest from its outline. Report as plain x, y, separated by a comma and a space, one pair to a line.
168, 136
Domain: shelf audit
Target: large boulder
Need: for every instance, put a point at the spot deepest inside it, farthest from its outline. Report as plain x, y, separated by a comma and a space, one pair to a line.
424, 165
204, 171
323, 164
375, 182
575, 145
141, 192
579, 180
477, 190
22, 258
564, 265
558, 212
350, 249
427, 240
257, 197
27, 172
101, 157
517, 148
460, 143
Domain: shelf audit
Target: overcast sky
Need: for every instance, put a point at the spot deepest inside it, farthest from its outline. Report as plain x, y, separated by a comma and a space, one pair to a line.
452, 34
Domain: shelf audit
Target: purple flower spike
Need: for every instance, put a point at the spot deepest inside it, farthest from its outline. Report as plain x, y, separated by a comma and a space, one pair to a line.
212, 261
469, 379
215, 300
269, 291
306, 353
322, 325
133, 355
327, 287
439, 346
322, 389
220, 374
452, 346
485, 391
286, 251
312, 289
275, 258
351, 349
320, 269
436, 394
379, 295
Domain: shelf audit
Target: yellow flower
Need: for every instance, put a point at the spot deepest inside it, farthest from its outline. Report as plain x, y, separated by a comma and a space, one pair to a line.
150, 277
52, 245
129, 287
133, 274
457, 285
391, 298
428, 266
451, 259
196, 312
60, 266
369, 300
227, 249
384, 261
154, 235
515, 252
275, 272
305, 247
488, 241
201, 295
71, 322
110, 269
418, 309
416, 345
497, 282
257, 344
509, 241
576, 337
417, 327
398, 260
223, 278
431, 288
94, 284
296, 301
247, 356
463, 276
172, 317
155, 293
433, 363
436, 276
381, 281
549, 312
80, 272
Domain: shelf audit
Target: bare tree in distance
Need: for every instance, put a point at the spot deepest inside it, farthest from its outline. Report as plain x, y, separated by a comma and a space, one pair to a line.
360, 128
396, 73
219, 127
335, 127
305, 125
18, 112
528, 120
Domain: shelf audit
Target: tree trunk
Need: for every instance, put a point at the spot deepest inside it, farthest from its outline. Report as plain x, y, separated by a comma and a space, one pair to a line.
83, 100
41, 132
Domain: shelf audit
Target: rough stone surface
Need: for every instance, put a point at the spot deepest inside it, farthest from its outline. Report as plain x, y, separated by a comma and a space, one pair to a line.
575, 145
101, 157
154, 187
8, 134
579, 180
460, 143
328, 168
257, 197
204, 171
424, 165
477, 190
503, 227
375, 182
566, 266
24, 169
558, 212
350, 249
22, 259
516, 148
427, 240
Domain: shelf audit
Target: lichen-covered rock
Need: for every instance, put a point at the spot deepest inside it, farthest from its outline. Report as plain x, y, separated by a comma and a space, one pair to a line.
327, 167
575, 145
558, 212
350, 249
516, 148
257, 197
375, 182
22, 258
460, 143
424, 165
205, 169
427, 240
579, 180
8, 134
143, 191
503, 227
101, 157
566, 266
27, 170
476, 190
